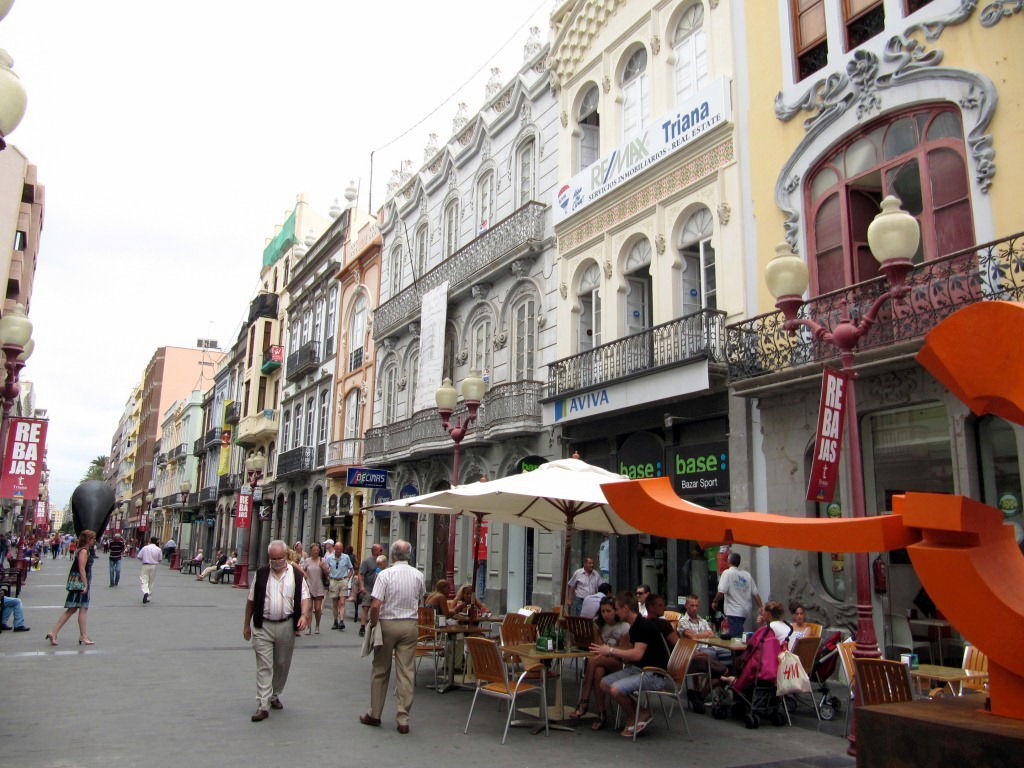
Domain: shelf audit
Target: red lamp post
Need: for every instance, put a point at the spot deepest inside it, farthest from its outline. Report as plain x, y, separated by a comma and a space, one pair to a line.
473, 388
893, 237
16, 344
254, 466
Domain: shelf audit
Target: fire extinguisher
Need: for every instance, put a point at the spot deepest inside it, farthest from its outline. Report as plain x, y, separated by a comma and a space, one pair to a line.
881, 576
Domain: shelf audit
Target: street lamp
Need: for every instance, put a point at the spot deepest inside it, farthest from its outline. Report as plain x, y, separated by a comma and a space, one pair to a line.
473, 388
254, 466
17, 345
12, 93
893, 237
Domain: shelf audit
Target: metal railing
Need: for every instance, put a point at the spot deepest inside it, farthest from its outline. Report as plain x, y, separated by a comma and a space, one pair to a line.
198, 447
345, 452
303, 360
212, 437
700, 335
938, 288
233, 413
521, 228
296, 460
229, 483
208, 494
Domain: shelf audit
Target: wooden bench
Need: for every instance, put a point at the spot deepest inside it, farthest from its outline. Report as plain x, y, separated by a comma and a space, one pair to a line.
11, 577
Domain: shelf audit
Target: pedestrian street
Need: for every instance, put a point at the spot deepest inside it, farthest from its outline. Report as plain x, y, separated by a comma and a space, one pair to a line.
172, 683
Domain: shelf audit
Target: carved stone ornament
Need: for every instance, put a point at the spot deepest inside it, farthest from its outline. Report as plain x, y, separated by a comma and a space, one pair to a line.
403, 383
655, 45
564, 117
606, 84
533, 45
607, 269
480, 291
461, 117
893, 388
500, 339
493, 84
525, 114
542, 320
387, 344
521, 267
414, 329
563, 289
659, 244
462, 357
724, 213
995, 12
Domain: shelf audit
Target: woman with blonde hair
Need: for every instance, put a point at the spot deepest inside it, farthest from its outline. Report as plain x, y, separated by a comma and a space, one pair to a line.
79, 584
466, 598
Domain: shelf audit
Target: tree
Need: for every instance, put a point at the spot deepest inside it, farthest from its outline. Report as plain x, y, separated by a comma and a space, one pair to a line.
96, 468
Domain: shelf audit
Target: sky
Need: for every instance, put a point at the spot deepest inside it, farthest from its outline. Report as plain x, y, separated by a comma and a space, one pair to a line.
172, 138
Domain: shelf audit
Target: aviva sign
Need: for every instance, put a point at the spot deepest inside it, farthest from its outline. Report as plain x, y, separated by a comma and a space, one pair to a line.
691, 119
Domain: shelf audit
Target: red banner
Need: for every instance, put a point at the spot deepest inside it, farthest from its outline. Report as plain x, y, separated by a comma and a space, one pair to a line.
827, 444
42, 514
276, 354
244, 510
23, 459
481, 546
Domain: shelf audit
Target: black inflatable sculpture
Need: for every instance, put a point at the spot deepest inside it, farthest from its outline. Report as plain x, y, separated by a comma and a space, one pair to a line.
91, 505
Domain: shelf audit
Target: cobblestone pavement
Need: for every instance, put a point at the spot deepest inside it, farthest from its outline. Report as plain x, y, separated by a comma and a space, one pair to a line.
172, 683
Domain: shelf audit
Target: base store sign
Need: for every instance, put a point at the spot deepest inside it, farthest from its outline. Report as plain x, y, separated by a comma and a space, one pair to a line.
23, 459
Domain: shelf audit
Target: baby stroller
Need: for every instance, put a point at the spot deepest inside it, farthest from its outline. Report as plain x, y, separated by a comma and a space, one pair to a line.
752, 693
825, 661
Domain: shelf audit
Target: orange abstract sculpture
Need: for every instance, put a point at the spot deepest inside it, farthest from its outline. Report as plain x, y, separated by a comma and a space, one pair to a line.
965, 556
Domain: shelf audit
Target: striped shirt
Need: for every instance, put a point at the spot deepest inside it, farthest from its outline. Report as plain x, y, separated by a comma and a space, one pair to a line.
400, 589
116, 549
277, 605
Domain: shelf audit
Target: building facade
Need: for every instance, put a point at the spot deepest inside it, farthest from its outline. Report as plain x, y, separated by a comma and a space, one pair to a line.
22, 205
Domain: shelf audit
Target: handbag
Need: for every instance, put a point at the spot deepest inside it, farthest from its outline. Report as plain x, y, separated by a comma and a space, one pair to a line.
75, 583
792, 678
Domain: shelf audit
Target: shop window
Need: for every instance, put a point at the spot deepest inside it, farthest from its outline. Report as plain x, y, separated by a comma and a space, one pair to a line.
863, 20
809, 36
588, 138
999, 466
919, 156
691, 53
699, 287
635, 99
834, 568
911, 451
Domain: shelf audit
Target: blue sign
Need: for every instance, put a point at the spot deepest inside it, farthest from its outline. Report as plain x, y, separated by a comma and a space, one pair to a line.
362, 477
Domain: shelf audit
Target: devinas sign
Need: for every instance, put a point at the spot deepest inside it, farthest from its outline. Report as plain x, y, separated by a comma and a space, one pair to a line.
23, 459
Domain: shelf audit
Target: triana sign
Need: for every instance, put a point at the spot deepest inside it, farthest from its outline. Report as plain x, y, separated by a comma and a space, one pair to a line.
825, 467
691, 119
23, 459
362, 477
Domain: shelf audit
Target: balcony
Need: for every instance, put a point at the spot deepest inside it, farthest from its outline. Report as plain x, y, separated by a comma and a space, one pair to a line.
264, 305
193, 500
180, 452
507, 410
345, 453
229, 483
233, 413
272, 357
208, 495
254, 429
294, 461
991, 272
303, 360
700, 336
161, 459
517, 234
198, 447
212, 437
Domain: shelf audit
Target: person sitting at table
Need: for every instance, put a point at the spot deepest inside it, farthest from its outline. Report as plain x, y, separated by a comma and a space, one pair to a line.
695, 627
229, 565
438, 599
642, 593
466, 598
592, 603
656, 613
221, 558
615, 634
800, 626
771, 614
197, 560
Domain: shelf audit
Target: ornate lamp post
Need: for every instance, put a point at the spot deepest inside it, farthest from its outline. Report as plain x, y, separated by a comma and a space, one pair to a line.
12, 92
893, 237
254, 466
473, 388
183, 491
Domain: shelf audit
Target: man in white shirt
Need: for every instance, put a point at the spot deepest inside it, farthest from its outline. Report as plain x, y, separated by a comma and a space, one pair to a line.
150, 555
397, 595
584, 582
739, 592
277, 610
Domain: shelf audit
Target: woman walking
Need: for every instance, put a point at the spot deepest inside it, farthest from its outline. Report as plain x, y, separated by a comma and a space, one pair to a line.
317, 577
79, 584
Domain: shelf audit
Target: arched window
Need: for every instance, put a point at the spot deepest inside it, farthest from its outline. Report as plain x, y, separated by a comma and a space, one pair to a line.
588, 332
353, 413
396, 271
422, 244
330, 323
526, 164
485, 202
481, 334
635, 101
637, 269
588, 140
918, 156
698, 263
389, 392
690, 49
297, 427
286, 425
307, 326
357, 333
451, 228
414, 373
318, 324
322, 431
524, 338
271, 457
310, 420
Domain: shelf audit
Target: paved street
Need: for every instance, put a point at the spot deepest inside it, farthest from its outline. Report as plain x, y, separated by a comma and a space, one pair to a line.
173, 683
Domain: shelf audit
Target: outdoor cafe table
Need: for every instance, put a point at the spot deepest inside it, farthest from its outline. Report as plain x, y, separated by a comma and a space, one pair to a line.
947, 676
530, 655
733, 644
451, 634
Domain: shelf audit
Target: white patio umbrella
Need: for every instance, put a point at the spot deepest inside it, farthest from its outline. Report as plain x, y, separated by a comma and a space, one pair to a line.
559, 495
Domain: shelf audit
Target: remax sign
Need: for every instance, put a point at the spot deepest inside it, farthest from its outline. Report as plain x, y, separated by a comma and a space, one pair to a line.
363, 477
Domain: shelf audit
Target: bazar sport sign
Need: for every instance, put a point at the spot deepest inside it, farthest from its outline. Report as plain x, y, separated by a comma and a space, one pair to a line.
708, 109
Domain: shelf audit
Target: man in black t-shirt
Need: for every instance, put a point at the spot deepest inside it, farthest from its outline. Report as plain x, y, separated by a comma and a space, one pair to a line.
649, 650
116, 553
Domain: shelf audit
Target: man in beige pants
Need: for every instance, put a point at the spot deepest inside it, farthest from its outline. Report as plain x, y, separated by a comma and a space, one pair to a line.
397, 594
150, 555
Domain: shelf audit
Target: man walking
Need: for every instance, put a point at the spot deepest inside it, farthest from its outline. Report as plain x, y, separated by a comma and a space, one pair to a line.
150, 555
276, 611
116, 553
339, 567
584, 583
367, 576
739, 592
397, 594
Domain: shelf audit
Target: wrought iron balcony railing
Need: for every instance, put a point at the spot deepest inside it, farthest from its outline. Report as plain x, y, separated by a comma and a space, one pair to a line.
938, 288
229, 483
294, 461
346, 452
208, 495
697, 336
516, 232
303, 360
233, 413
212, 437
198, 447
180, 451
